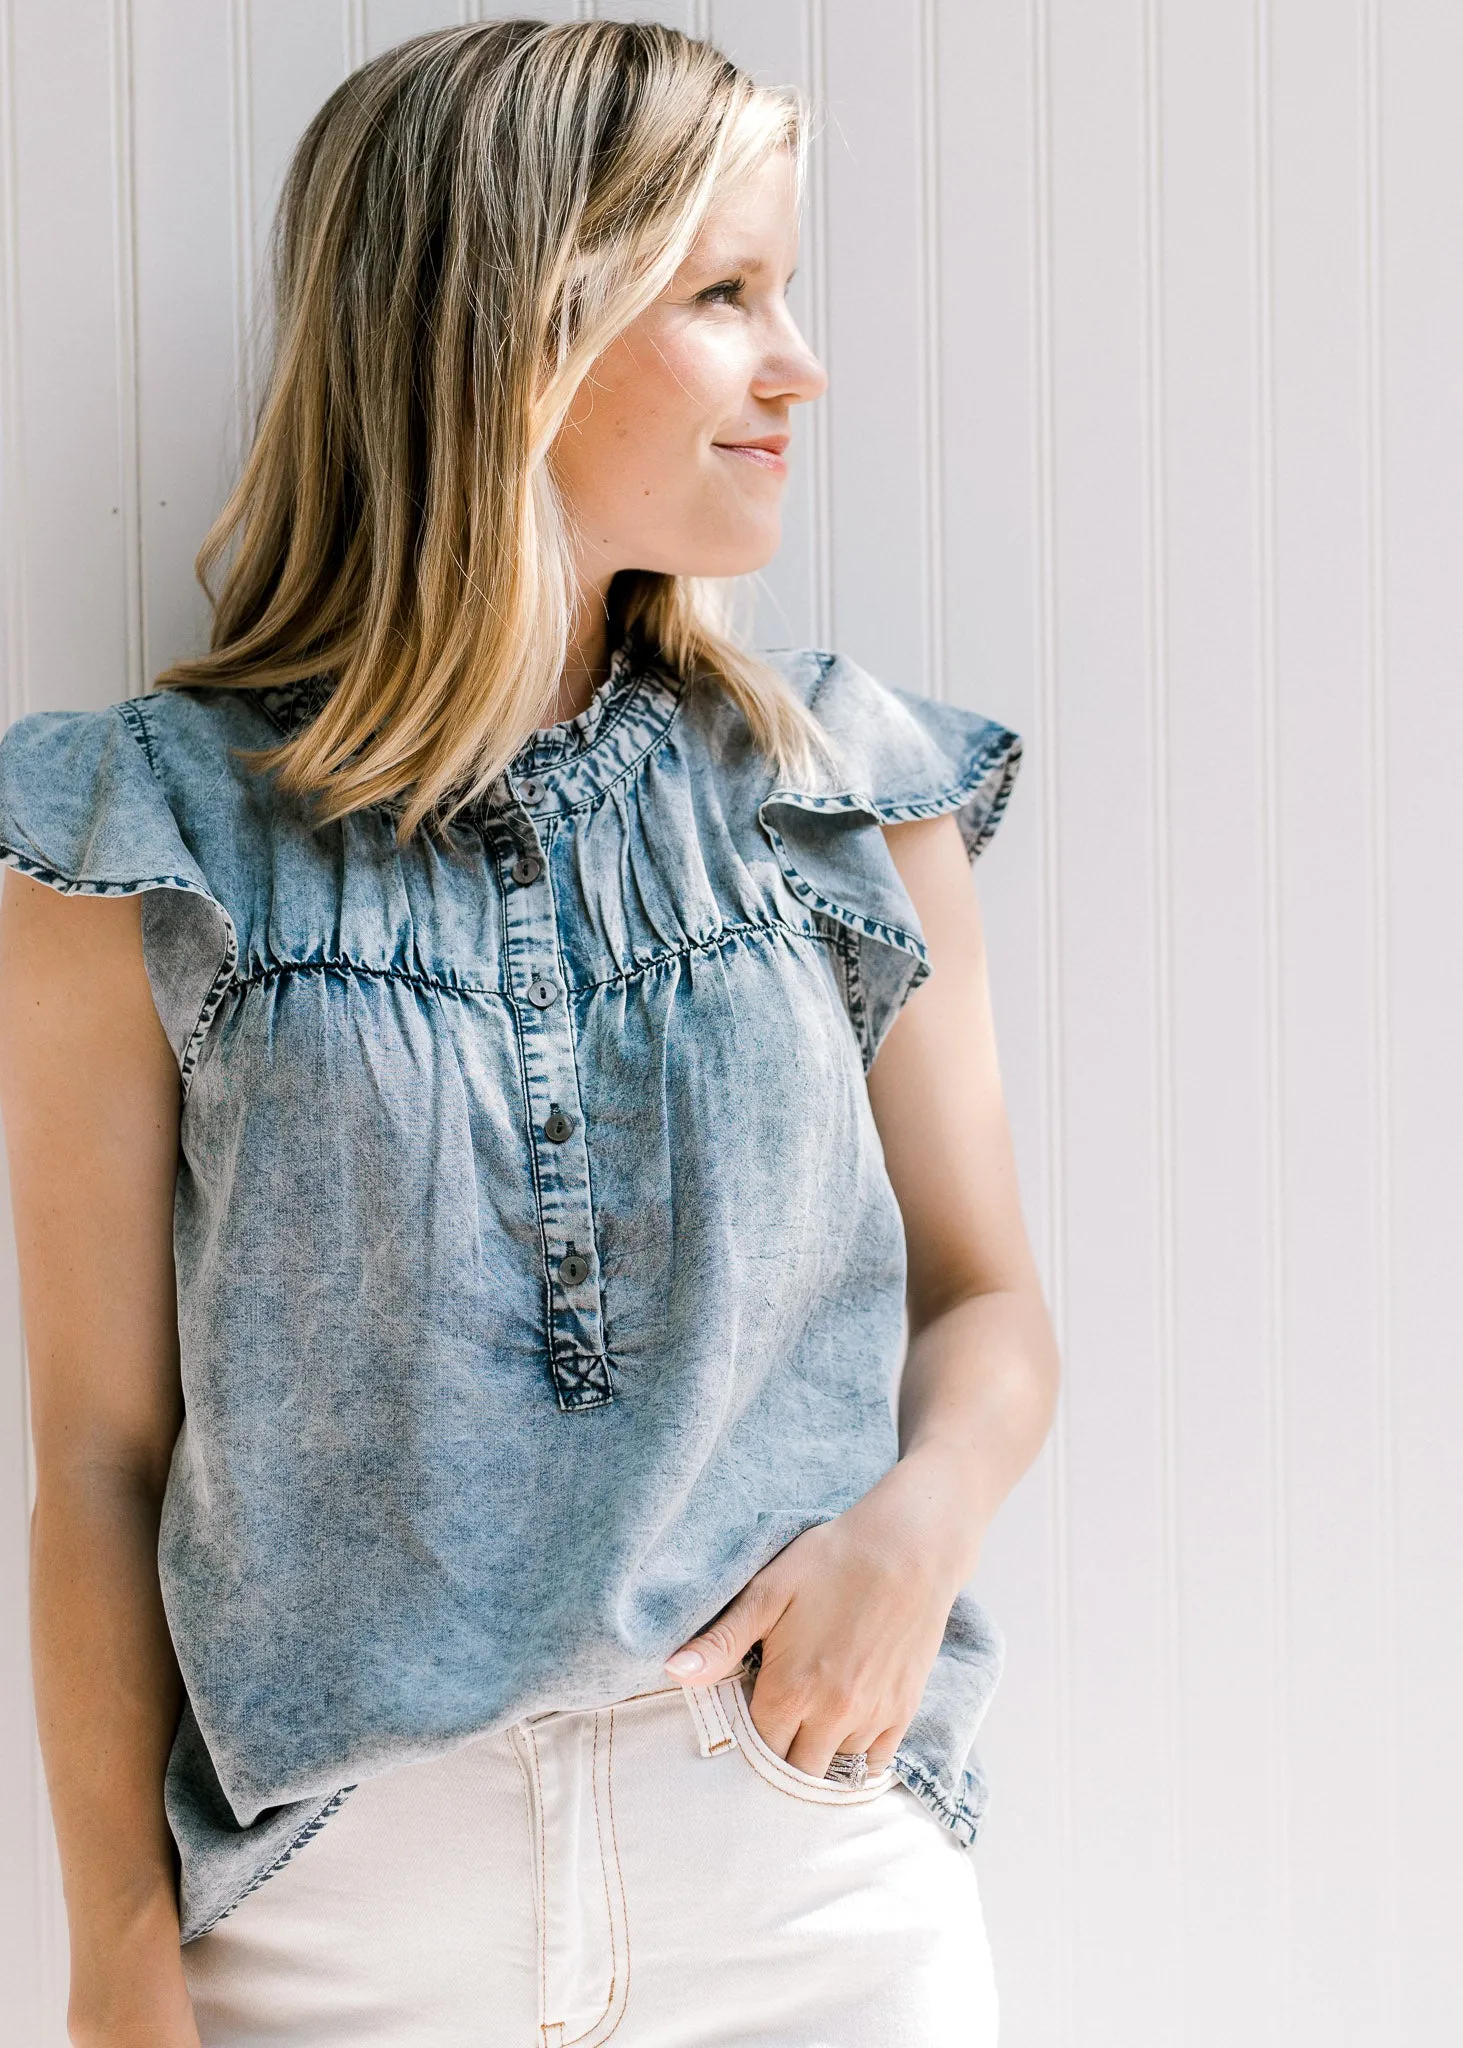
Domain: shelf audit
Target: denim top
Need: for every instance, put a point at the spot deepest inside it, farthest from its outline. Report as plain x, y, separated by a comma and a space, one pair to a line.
538, 1273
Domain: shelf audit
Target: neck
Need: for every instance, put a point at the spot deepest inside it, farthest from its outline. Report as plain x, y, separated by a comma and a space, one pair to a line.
587, 662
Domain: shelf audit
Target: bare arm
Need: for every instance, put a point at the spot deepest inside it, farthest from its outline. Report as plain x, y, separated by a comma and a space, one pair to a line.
90, 1096
980, 1379
850, 1614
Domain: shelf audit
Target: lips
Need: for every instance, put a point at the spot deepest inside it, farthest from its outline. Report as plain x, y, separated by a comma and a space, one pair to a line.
767, 452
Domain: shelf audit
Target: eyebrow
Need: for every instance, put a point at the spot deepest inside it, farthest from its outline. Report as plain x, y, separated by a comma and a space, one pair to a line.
732, 263
728, 263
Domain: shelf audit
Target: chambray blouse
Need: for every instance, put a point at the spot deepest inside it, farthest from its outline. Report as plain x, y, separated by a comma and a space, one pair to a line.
538, 1273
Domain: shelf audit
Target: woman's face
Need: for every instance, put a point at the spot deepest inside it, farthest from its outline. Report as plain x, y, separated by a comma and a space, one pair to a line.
648, 458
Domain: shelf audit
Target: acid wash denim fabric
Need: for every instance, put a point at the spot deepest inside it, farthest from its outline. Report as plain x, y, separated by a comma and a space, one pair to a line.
538, 1272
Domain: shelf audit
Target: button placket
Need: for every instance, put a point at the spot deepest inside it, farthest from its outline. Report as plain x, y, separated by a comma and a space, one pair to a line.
577, 1361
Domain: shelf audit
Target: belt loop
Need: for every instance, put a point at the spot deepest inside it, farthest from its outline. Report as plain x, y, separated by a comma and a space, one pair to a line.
709, 1715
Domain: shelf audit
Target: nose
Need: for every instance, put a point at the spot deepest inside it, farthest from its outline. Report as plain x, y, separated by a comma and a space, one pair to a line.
791, 371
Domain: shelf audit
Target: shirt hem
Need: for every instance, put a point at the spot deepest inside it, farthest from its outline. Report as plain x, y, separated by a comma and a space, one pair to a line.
963, 1821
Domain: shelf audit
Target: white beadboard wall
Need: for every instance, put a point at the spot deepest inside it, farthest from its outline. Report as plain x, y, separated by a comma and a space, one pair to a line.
1145, 435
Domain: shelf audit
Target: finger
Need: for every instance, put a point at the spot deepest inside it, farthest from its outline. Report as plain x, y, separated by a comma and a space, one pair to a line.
827, 1726
776, 1714
814, 1747
814, 1750
882, 1748
720, 1647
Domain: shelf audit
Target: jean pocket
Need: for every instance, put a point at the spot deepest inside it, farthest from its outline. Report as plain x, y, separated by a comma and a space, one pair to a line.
568, 1766
785, 1776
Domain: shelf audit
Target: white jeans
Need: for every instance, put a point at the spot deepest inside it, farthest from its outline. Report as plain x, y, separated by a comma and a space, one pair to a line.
649, 1873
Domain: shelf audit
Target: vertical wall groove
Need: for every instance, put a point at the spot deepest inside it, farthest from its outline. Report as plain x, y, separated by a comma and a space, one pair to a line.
1155, 573
28, 1994
1050, 943
353, 33
124, 256
15, 683
930, 382
12, 387
241, 189
1388, 1659
820, 447
1267, 576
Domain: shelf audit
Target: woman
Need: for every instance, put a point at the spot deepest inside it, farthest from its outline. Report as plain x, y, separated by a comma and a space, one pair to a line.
483, 1592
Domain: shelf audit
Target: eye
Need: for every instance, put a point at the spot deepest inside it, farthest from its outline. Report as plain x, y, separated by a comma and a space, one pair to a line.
715, 294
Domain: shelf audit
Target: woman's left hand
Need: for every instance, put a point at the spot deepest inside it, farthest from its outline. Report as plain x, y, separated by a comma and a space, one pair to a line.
850, 1616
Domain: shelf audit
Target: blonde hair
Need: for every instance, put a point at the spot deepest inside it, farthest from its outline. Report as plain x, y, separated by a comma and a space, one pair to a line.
467, 223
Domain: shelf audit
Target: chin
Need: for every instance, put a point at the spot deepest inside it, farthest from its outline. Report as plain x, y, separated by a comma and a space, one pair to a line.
739, 558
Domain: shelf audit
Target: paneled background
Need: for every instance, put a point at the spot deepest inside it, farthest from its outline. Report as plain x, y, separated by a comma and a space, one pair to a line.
1143, 319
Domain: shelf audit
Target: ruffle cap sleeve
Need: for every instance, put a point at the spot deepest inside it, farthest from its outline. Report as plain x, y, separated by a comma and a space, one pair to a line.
82, 811
900, 757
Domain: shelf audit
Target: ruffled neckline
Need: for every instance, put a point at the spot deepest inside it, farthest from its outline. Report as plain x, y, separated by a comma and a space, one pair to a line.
576, 757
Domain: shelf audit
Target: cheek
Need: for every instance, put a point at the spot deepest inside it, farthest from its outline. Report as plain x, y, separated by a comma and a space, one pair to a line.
698, 380
635, 454
635, 431
656, 425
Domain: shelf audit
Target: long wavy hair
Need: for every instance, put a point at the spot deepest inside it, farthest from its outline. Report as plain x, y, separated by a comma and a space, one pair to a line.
467, 223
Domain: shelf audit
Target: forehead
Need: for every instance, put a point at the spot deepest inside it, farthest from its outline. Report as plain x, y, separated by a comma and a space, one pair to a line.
752, 223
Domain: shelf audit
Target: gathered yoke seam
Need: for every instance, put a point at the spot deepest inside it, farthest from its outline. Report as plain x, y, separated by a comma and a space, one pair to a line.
358, 970
727, 936
413, 977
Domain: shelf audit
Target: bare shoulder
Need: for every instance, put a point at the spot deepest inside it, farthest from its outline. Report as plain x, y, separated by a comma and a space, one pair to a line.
934, 867
73, 982
916, 841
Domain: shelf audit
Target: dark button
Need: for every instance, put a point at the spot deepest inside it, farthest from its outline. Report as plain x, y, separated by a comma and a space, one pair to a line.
527, 868
573, 1269
541, 993
558, 1127
530, 789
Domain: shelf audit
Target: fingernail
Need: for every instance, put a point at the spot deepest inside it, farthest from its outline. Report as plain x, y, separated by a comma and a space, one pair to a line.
685, 1662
